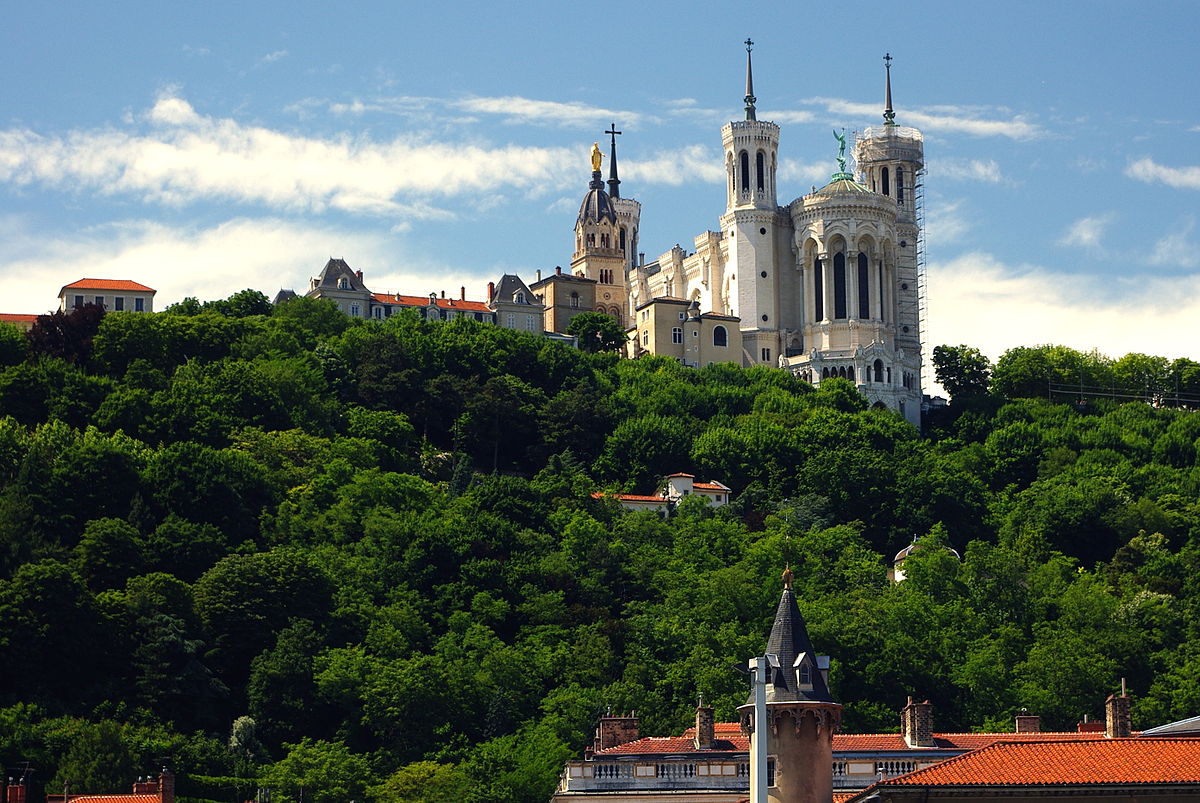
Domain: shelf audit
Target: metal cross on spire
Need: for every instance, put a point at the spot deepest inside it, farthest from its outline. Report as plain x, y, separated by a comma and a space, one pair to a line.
889, 115
614, 183
750, 99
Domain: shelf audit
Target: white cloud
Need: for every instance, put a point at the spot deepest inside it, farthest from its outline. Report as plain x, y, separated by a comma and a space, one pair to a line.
1177, 248
210, 263
528, 110
945, 223
675, 167
986, 170
978, 300
186, 157
1087, 231
975, 121
807, 172
271, 57
1150, 171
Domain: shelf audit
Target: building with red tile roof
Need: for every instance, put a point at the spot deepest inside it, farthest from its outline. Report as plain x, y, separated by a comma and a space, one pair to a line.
674, 489
20, 320
114, 295
1098, 768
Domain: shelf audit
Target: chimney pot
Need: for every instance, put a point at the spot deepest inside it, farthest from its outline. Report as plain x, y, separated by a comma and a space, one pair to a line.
558, 270
462, 293
491, 290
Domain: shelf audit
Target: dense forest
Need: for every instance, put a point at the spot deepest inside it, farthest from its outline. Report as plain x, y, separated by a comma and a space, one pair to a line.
362, 560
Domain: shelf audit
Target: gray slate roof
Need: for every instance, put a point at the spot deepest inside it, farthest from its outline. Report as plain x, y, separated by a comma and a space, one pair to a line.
790, 642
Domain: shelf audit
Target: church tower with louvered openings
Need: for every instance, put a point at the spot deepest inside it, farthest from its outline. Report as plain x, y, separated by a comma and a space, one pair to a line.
828, 285
801, 714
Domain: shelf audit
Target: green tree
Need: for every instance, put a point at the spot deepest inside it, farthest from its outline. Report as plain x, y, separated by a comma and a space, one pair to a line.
424, 782
597, 332
14, 345
962, 370
97, 761
320, 772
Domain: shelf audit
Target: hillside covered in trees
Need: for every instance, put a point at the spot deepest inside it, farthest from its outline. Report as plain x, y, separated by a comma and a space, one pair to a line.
277, 547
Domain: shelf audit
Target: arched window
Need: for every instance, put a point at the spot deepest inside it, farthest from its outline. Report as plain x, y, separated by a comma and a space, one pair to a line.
864, 288
744, 164
720, 337
819, 289
900, 184
519, 298
850, 373
591, 238
839, 285
761, 171
622, 239
878, 366
887, 188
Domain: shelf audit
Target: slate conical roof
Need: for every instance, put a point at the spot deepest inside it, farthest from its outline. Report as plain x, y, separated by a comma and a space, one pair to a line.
789, 641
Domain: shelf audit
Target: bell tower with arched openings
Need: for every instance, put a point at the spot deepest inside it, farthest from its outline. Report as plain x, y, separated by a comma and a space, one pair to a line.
891, 161
751, 225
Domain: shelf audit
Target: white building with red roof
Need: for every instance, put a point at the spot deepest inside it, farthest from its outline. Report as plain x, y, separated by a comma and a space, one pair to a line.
674, 489
114, 295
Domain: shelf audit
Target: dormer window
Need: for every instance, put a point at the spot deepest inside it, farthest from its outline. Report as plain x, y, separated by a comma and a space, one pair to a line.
343, 283
520, 297
805, 676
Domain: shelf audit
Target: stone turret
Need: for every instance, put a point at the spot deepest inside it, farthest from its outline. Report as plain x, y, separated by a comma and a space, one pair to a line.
801, 713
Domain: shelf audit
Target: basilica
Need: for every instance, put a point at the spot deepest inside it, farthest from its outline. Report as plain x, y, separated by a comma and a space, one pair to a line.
827, 285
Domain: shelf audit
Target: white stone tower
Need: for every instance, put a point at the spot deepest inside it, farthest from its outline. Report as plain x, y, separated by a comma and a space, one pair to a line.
891, 161
751, 224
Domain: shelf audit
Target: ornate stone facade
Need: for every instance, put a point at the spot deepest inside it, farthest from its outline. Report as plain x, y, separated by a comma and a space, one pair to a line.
826, 286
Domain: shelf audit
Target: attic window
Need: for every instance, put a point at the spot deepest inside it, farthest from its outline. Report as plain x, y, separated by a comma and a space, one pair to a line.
805, 675
343, 284
520, 297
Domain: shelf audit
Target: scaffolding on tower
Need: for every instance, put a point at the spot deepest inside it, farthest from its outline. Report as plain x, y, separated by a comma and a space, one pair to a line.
922, 281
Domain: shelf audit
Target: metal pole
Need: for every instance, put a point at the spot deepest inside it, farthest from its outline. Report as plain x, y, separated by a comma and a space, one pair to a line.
758, 741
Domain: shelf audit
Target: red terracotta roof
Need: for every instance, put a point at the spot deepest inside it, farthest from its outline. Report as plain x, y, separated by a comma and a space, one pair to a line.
18, 317
708, 486
125, 798
629, 498
423, 301
842, 742
681, 474
842, 797
1098, 761
108, 284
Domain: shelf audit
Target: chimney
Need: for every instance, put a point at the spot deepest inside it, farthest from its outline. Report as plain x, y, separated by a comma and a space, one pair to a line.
491, 290
641, 258
166, 786
1028, 723
16, 791
916, 722
146, 786
705, 726
1089, 727
1116, 715
443, 294
462, 293
539, 274
358, 273
558, 270
614, 731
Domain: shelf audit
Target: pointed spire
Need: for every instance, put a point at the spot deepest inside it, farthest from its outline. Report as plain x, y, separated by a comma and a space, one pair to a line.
889, 114
790, 643
614, 183
750, 99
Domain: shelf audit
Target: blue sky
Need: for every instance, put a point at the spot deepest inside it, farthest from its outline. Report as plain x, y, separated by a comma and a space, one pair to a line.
205, 148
